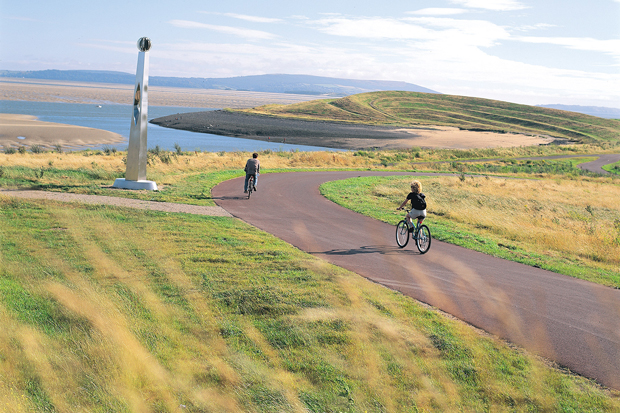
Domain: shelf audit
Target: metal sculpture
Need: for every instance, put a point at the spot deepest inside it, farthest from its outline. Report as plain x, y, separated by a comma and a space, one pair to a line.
135, 174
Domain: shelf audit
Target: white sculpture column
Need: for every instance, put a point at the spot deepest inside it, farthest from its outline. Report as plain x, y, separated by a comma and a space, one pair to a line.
135, 175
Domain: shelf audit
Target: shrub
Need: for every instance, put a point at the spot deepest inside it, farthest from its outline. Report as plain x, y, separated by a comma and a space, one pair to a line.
9, 150
36, 149
22, 150
58, 148
156, 150
108, 150
177, 147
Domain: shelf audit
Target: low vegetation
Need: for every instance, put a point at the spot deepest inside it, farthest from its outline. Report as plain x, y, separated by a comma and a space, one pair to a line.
411, 109
117, 310
106, 309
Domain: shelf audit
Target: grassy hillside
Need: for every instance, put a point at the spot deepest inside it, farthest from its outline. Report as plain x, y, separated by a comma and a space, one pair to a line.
413, 109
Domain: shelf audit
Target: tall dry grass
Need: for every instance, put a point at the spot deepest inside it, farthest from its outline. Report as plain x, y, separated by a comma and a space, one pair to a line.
575, 219
188, 161
579, 217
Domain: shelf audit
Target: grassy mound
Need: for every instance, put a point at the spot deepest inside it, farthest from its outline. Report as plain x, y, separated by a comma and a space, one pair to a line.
411, 109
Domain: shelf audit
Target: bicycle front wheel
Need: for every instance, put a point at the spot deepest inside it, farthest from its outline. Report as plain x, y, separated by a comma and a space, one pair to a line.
402, 233
423, 240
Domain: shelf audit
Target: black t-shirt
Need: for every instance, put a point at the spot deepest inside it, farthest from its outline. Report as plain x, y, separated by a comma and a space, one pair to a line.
418, 201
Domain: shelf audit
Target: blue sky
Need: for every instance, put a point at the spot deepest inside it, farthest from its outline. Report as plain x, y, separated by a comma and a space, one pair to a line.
524, 51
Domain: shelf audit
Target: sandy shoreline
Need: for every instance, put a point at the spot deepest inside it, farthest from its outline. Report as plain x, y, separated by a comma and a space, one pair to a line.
26, 130
331, 135
339, 135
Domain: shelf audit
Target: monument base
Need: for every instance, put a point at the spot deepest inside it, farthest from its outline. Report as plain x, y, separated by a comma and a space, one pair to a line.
122, 183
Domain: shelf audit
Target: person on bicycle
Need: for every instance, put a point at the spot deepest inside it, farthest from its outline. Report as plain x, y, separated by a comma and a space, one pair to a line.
418, 204
252, 168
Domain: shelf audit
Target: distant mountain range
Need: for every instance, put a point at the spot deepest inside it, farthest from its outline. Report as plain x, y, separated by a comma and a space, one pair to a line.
297, 84
601, 112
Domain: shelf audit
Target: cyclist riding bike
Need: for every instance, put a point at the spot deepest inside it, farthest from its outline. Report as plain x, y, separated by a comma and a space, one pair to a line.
252, 168
418, 204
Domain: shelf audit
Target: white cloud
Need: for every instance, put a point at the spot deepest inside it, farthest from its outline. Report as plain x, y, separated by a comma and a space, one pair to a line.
609, 47
372, 28
539, 26
255, 19
236, 31
439, 11
496, 5
453, 33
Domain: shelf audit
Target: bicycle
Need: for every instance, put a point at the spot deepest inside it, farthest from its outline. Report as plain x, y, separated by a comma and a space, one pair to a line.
250, 186
419, 232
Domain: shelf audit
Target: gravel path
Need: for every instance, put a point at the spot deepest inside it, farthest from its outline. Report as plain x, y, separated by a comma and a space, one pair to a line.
122, 202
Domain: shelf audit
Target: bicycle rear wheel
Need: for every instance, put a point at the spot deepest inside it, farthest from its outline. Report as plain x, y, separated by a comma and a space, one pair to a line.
250, 186
423, 239
402, 233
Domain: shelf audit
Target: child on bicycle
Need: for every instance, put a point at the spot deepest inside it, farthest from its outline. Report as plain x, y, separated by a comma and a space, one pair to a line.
418, 204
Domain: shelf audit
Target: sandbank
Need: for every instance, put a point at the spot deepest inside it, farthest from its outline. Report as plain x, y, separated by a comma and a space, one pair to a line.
26, 130
341, 135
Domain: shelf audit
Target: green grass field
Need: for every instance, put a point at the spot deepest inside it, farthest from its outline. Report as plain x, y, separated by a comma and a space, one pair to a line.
115, 310
411, 109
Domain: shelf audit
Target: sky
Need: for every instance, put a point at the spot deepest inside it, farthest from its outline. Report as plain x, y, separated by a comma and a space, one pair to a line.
523, 51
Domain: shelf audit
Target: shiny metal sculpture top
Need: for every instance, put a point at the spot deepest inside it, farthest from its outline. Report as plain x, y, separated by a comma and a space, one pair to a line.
144, 44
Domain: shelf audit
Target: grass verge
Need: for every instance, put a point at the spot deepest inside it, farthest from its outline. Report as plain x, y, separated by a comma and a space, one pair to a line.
117, 310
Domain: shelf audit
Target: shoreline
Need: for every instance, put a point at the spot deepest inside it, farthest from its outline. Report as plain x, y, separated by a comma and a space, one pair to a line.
339, 135
233, 124
27, 130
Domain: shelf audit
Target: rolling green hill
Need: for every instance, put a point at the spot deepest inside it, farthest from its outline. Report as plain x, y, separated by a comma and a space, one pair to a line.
412, 109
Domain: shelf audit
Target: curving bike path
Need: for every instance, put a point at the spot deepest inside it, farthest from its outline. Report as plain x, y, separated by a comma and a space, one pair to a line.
597, 165
570, 321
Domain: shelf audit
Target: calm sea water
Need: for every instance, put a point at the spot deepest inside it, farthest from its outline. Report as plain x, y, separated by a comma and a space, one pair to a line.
117, 118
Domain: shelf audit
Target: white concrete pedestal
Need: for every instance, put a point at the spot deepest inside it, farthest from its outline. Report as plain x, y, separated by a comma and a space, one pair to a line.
123, 183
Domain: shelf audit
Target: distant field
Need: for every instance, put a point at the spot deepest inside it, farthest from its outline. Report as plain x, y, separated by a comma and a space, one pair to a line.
411, 109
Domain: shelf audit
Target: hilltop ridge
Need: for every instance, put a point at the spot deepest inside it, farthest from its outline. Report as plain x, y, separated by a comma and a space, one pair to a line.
271, 83
412, 109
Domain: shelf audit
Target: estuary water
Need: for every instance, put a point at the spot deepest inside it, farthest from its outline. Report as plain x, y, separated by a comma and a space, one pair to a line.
117, 118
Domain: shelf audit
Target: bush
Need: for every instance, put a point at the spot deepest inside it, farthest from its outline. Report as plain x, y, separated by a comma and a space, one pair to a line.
9, 150
36, 149
22, 150
177, 147
108, 150
156, 150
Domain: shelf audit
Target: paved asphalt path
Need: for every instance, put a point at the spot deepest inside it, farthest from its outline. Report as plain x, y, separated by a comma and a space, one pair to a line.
596, 166
574, 322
